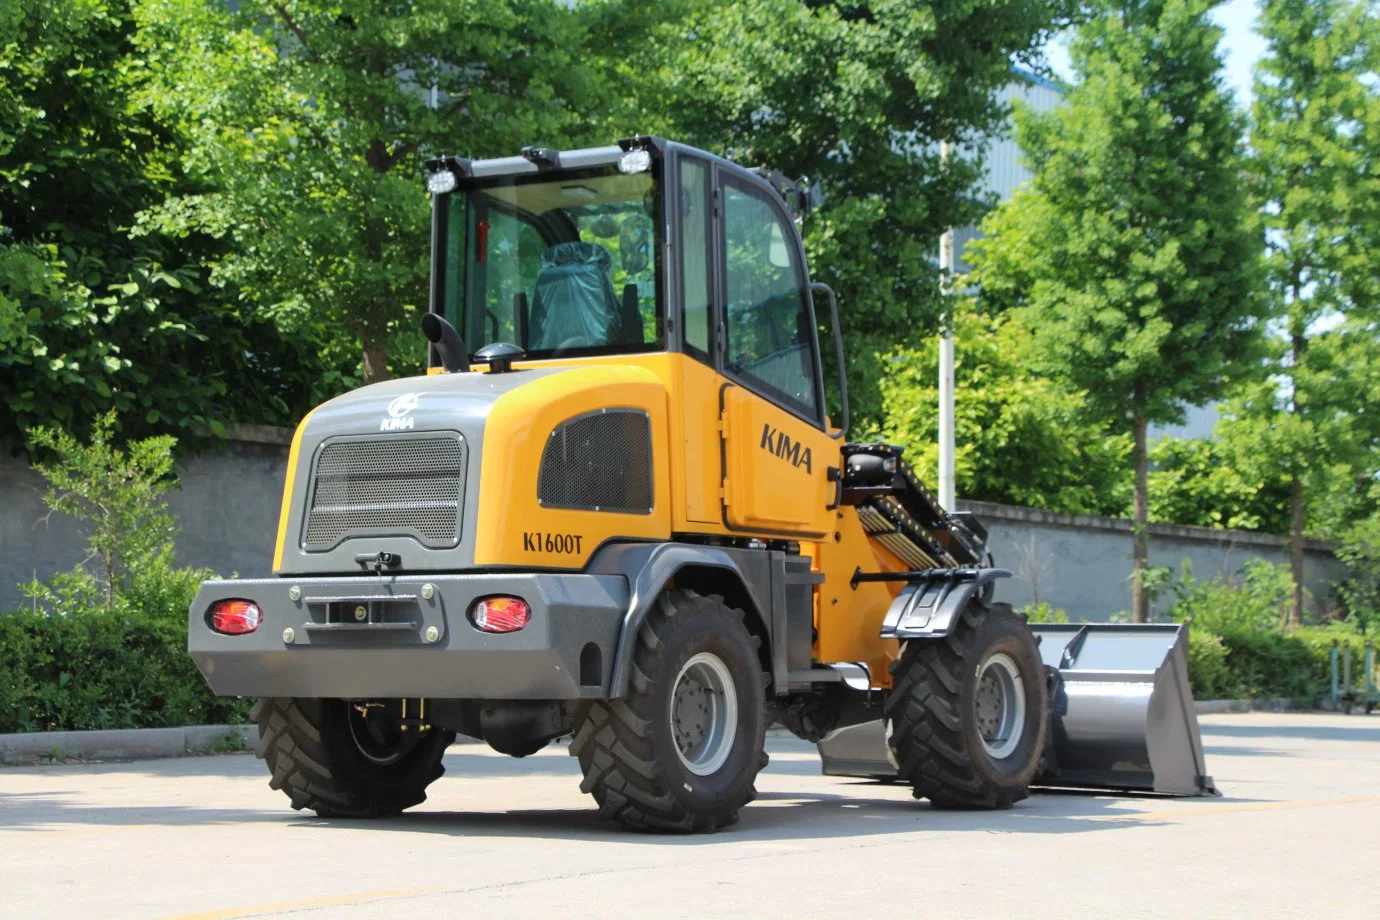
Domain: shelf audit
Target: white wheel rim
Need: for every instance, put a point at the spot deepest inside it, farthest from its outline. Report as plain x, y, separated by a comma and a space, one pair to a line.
1000, 705
704, 713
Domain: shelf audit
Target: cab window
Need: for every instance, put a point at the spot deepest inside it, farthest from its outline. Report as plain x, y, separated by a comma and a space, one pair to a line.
770, 340
559, 263
694, 254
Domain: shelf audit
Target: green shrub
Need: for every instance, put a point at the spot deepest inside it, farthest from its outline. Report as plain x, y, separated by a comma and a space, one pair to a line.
74, 663
1256, 600
1208, 673
1043, 612
1270, 664
1319, 641
116, 492
1360, 550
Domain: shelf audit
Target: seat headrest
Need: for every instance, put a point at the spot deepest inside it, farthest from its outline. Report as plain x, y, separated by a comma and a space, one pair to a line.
577, 254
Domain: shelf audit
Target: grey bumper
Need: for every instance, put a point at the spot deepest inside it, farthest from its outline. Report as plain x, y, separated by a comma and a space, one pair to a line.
408, 644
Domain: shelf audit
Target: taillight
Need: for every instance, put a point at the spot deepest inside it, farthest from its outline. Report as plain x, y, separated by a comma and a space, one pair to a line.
236, 617
500, 614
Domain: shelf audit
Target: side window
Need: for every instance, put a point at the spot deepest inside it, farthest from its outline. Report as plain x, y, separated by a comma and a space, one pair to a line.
694, 254
770, 342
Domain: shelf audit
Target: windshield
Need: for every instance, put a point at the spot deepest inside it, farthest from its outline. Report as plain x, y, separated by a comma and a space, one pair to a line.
558, 264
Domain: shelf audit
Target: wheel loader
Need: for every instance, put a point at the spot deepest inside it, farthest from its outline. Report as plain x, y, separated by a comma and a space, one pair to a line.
615, 509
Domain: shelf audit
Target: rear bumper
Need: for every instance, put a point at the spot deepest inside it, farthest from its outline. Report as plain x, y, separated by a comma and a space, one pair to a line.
566, 651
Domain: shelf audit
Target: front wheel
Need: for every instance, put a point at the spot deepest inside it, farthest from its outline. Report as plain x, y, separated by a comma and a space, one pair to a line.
967, 715
681, 751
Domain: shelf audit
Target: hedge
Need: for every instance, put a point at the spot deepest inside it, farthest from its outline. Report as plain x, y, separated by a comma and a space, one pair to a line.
72, 664
1250, 664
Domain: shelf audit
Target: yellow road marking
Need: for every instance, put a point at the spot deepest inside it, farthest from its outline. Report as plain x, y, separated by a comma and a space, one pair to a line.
338, 900
1194, 811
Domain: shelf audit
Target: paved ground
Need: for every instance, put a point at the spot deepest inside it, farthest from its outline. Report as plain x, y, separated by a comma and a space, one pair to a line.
1296, 834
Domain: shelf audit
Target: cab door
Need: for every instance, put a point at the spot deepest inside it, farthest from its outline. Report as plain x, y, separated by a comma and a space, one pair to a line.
776, 452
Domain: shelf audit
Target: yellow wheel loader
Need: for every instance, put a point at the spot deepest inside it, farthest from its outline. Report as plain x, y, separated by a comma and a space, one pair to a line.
615, 509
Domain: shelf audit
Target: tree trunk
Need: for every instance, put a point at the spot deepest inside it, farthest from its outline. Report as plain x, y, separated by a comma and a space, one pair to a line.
1140, 603
1296, 547
375, 360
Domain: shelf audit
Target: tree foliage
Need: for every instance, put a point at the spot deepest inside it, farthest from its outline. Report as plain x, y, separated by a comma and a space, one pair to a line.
1131, 249
1316, 164
117, 492
854, 96
310, 121
92, 317
1022, 439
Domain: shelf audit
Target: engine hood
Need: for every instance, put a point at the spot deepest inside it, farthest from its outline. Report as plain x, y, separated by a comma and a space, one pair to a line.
380, 423
395, 468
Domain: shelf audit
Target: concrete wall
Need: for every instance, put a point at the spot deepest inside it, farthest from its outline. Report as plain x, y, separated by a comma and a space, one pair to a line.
227, 513
1083, 563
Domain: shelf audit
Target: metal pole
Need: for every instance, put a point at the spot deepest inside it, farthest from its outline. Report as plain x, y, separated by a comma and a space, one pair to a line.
946, 362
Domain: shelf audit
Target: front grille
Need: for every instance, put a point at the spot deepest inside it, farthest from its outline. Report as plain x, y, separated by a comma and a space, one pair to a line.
384, 487
599, 462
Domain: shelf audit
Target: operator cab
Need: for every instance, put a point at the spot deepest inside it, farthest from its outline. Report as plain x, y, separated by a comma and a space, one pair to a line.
646, 246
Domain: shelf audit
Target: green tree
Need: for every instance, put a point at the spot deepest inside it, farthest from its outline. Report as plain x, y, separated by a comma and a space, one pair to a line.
1131, 248
92, 317
1229, 480
854, 96
118, 492
1022, 439
1316, 143
311, 120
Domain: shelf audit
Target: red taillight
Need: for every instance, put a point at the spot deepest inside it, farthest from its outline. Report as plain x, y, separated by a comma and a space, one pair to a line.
235, 618
500, 614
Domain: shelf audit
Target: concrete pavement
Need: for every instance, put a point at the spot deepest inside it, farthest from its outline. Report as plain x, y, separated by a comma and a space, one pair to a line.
1296, 833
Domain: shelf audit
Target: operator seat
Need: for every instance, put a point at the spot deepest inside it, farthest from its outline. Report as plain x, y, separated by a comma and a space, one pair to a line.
574, 304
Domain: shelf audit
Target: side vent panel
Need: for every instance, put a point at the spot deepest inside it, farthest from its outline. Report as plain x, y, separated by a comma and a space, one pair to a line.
600, 461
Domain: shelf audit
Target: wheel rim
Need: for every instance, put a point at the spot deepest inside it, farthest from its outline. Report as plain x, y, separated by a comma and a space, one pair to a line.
375, 740
704, 713
1000, 705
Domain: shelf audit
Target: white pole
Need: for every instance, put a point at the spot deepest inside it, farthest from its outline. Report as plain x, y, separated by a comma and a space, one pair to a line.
946, 363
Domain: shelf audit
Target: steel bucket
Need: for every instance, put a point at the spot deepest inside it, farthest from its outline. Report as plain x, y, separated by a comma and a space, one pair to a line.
1122, 712
1121, 717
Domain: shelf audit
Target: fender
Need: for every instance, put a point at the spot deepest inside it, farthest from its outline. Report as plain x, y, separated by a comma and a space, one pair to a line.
649, 566
929, 605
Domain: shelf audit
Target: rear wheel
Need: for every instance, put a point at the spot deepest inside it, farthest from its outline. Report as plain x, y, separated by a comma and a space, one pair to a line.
966, 717
347, 759
681, 751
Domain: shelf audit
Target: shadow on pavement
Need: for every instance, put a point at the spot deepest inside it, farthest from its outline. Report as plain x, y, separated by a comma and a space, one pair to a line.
784, 816
37, 811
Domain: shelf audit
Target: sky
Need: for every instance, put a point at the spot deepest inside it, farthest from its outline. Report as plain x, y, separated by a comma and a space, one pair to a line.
1241, 46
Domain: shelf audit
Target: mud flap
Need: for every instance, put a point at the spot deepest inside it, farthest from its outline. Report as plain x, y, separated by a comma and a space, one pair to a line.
1123, 715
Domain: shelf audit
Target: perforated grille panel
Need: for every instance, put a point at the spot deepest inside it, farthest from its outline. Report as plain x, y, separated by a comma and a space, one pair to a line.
599, 462
378, 487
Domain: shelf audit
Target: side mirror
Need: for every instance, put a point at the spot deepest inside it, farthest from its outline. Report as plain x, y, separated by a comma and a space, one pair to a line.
821, 288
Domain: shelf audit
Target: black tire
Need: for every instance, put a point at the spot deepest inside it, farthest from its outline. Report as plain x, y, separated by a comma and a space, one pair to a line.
315, 760
932, 712
627, 748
